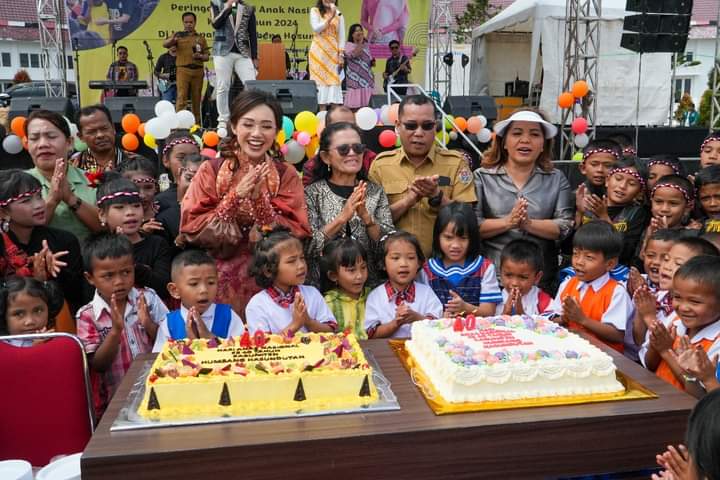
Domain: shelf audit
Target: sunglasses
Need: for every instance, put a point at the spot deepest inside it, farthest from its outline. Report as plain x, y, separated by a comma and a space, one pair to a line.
412, 126
345, 148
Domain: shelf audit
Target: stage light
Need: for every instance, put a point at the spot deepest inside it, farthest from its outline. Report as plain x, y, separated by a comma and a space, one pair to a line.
464, 60
448, 59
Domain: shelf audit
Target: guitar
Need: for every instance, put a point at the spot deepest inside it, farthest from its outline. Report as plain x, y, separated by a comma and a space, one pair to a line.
164, 85
391, 78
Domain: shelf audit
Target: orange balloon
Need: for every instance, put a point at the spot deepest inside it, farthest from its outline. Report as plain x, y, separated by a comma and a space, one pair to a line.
461, 123
580, 89
25, 142
474, 125
130, 142
130, 122
17, 126
141, 130
566, 100
393, 112
210, 139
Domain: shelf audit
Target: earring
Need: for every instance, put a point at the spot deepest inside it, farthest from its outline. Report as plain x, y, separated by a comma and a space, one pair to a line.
102, 223
5, 225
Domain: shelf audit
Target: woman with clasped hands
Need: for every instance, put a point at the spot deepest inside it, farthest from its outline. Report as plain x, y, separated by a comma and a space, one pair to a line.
519, 192
234, 199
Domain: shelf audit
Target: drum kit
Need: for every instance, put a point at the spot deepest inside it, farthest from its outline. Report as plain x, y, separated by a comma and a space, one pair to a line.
298, 56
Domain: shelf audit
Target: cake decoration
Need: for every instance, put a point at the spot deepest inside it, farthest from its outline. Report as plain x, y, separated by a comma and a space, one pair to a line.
365, 389
225, 396
299, 392
153, 403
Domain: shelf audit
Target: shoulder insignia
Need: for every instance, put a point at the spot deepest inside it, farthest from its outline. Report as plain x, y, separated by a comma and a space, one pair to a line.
465, 175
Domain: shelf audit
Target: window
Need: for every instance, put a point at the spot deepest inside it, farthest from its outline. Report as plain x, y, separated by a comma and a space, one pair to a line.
34, 60
70, 62
688, 57
6, 59
24, 60
682, 86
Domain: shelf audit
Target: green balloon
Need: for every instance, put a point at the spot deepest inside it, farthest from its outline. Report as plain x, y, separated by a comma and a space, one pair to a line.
578, 156
288, 127
448, 119
80, 146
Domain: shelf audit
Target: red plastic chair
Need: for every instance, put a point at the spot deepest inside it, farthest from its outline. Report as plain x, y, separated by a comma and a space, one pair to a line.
46, 404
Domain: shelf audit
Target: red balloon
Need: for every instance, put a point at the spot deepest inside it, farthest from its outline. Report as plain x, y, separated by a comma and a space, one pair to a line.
579, 126
387, 138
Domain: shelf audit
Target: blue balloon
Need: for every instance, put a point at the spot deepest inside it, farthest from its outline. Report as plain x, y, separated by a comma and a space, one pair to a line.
288, 127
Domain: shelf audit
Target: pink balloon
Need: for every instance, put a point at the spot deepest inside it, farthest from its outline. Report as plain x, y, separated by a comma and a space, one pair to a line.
579, 126
387, 138
303, 138
284, 149
208, 152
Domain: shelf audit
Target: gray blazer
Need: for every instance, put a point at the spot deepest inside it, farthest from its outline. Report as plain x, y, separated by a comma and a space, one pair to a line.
230, 30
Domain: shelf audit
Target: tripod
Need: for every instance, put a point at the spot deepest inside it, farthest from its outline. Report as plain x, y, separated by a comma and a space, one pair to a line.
151, 66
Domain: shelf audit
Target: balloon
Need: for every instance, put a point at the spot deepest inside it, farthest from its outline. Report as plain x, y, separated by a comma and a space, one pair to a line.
141, 130
453, 135
321, 127
312, 147
288, 127
17, 126
222, 132
284, 149
209, 152
198, 140
484, 135
377, 116
385, 115
194, 128
210, 138
579, 126
580, 89
295, 152
185, 119
79, 145
474, 125
152, 126
149, 140
566, 100
130, 122
442, 137
73, 130
322, 116
303, 139
170, 119
393, 112
130, 142
280, 137
448, 122
461, 123
387, 138
483, 121
365, 118
398, 142
12, 144
577, 157
306, 122
163, 106
581, 140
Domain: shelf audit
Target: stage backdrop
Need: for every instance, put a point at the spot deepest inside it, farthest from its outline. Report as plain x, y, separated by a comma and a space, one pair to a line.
152, 21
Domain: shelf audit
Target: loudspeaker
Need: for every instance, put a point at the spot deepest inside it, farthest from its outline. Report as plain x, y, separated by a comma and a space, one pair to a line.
653, 43
467, 106
295, 96
143, 107
683, 7
22, 106
672, 24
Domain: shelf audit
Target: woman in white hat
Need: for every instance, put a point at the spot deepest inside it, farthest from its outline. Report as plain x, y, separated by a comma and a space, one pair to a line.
520, 193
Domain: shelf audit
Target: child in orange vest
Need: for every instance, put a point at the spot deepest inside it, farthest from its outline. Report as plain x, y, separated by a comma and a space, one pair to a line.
695, 323
591, 301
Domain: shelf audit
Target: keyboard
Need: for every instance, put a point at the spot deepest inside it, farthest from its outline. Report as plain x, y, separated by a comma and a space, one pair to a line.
110, 85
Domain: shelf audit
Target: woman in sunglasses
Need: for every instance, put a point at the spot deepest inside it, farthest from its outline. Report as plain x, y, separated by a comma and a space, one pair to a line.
342, 201
520, 193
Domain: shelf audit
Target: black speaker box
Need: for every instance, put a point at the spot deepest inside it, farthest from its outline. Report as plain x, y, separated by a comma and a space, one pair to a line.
143, 107
672, 24
295, 96
467, 106
22, 106
653, 43
683, 7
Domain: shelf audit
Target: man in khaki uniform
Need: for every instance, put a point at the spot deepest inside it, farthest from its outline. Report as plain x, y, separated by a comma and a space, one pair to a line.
419, 178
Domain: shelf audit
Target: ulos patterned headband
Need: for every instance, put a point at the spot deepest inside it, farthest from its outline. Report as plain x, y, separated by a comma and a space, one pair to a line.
178, 141
117, 195
143, 180
593, 151
629, 151
712, 138
20, 196
631, 172
674, 167
680, 189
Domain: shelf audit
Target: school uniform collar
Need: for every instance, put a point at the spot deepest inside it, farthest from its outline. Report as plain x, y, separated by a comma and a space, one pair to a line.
438, 267
281, 298
708, 332
407, 295
99, 304
208, 314
596, 284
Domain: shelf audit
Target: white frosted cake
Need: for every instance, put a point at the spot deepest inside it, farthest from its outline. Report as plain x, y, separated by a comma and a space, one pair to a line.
508, 358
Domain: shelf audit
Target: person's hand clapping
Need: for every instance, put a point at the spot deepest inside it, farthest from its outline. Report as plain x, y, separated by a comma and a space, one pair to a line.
518, 214
427, 186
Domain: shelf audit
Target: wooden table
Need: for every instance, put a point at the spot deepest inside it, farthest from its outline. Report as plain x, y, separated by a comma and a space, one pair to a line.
410, 443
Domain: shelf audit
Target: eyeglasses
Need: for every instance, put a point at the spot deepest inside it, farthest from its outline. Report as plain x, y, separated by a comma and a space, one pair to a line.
412, 126
394, 48
345, 148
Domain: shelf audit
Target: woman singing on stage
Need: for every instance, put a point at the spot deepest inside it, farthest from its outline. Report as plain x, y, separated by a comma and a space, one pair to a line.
326, 56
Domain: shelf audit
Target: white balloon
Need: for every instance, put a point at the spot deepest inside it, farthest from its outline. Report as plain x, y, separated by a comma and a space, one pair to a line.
295, 152
163, 106
484, 135
581, 140
385, 115
222, 132
483, 121
170, 119
73, 130
453, 136
12, 144
152, 126
185, 119
321, 116
365, 118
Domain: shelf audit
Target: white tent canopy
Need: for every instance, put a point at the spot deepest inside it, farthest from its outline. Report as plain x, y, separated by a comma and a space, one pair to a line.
527, 41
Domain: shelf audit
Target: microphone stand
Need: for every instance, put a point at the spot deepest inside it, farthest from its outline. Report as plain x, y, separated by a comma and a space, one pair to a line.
76, 49
294, 63
151, 66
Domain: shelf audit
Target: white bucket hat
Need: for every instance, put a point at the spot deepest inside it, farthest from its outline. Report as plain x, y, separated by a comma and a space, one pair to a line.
526, 116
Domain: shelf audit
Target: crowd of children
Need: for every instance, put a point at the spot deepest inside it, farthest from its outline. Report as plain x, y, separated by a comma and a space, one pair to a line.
642, 273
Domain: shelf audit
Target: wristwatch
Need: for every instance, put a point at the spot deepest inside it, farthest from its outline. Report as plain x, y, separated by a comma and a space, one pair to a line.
75, 206
436, 200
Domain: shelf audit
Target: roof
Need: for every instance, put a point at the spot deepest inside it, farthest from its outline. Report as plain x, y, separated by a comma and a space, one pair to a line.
18, 11
705, 11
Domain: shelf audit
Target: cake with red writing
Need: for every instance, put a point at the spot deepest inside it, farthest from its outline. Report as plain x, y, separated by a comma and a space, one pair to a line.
258, 375
508, 358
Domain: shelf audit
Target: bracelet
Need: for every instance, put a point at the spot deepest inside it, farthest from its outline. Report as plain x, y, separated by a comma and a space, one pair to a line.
75, 205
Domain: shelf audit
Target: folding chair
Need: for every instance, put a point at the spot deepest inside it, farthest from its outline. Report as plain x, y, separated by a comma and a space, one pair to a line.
46, 404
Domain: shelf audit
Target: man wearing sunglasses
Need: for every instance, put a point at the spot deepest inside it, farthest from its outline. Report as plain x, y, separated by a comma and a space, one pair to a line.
419, 178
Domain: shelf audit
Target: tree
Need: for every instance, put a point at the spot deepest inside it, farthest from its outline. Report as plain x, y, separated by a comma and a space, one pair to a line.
706, 102
476, 13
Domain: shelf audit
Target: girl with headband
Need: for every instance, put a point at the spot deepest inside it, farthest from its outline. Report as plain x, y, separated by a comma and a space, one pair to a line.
178, 145
661, 165
599, 156
707, 183
671, 201
143, 174
121, 211
710, 150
